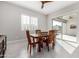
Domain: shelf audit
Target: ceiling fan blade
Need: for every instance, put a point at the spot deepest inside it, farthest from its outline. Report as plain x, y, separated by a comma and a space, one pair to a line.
43, 2
42, 5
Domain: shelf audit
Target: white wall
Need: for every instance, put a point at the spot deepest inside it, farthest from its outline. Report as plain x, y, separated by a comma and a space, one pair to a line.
10, 20
78, 28
65, 11
66, 26
71, 31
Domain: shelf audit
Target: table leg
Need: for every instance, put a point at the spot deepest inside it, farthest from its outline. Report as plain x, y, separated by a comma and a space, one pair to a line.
39, 48
34, 42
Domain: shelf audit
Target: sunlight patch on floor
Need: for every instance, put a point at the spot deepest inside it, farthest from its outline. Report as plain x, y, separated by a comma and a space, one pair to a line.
67, 37
67, 47
73, 44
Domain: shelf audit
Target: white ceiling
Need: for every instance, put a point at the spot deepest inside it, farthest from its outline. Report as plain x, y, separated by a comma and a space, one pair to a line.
49, 7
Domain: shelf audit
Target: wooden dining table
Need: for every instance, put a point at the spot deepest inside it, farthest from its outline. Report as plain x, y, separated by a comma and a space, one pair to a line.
36, 36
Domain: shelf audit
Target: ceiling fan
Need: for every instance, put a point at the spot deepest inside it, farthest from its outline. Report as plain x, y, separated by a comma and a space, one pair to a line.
44, 2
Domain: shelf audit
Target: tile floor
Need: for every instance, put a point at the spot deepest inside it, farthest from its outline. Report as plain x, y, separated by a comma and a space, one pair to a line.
63, 49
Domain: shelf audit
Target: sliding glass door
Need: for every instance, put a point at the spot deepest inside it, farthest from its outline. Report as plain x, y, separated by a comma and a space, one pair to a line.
64, 30
57, 25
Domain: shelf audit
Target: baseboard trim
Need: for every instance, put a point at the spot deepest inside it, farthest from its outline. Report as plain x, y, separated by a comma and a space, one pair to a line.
13, 41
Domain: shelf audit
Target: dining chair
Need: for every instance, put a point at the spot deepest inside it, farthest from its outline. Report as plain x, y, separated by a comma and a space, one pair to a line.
38, 31
40, 40
30, 43
44, 33
50, 39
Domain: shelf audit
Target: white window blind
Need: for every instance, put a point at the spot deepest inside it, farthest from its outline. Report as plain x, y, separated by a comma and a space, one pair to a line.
29, 22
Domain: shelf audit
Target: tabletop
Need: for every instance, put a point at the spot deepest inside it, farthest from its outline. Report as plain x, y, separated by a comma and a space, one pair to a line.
36, 35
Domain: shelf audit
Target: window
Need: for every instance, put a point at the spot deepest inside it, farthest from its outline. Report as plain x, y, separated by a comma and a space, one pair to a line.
29, 22
57, 25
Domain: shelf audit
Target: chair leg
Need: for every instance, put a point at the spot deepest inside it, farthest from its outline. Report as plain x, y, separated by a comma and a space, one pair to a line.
53, 45
47, 46
41, 45
3, 53
39, 48
30, 49
33, 42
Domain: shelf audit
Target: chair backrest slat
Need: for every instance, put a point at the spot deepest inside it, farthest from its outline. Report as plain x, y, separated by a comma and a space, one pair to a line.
28, 36
44, 33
